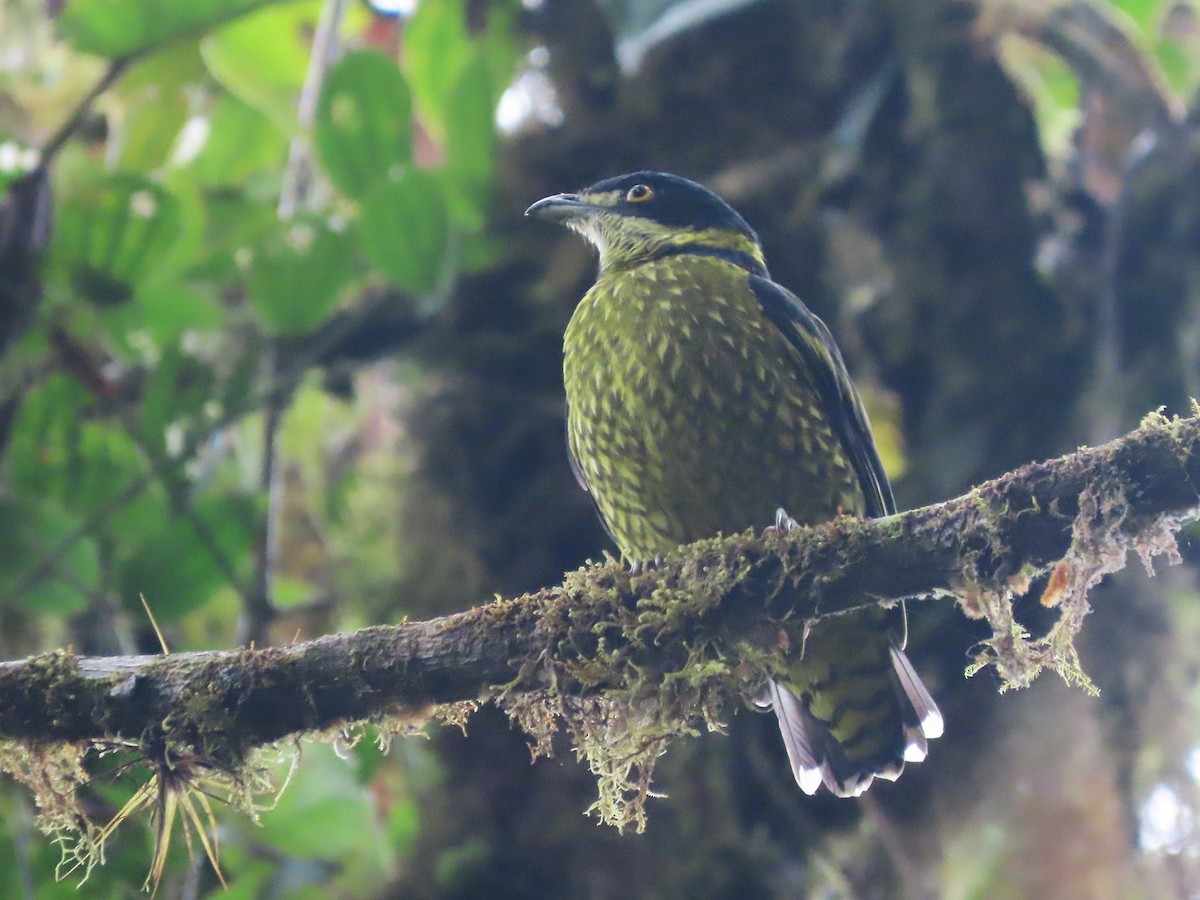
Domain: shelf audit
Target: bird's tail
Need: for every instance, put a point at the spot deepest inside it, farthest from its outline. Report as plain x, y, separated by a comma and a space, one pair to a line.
852, 716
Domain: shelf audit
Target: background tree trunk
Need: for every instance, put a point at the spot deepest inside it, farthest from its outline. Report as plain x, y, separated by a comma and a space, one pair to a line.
894, 173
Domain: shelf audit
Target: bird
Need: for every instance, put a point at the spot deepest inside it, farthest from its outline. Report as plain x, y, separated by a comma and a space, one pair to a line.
705, 398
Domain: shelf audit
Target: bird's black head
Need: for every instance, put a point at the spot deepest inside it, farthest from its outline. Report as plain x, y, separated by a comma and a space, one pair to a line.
669, 200
633, 217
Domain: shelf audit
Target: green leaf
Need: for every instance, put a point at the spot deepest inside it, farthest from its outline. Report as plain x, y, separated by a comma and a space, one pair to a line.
40, 453
405, 231
154, 99
471, 142
117, 28
247, 879
175, 570
363, 130
324, 813
57, 453
297, 273
178, 387
404, 825
456, 79
1051, 85
233, 223
242, 141
1145, 14
112, 233
262, 59
1180, 66
162, 311
44, 562
436, 48
470, 124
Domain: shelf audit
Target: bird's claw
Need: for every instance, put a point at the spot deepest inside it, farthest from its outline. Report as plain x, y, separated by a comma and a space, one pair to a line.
760, 697
639, 566
784, 524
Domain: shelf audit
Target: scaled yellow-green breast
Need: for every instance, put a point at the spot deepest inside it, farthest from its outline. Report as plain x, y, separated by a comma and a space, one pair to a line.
702, 397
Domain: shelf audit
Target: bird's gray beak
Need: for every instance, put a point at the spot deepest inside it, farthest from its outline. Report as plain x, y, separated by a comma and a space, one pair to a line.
561, 208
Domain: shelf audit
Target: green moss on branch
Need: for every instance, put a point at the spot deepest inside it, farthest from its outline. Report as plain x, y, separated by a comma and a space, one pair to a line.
631, 662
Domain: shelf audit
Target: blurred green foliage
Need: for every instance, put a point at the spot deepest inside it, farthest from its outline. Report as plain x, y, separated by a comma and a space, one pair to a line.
178, 300
212, 248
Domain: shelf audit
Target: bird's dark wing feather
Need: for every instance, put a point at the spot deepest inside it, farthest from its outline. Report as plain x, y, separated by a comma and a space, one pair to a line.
809, 335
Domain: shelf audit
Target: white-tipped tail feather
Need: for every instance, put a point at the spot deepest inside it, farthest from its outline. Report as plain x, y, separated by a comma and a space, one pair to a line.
915, 746
816, 756
928, 717
795, 739
932, 723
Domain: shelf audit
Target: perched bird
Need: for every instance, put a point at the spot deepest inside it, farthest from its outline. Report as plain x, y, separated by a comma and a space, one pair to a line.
702, 397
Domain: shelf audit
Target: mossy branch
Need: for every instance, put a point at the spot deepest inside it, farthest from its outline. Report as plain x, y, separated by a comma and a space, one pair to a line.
632, 661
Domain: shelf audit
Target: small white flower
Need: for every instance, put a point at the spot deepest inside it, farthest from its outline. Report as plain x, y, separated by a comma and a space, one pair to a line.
143, 204
10, 155
143, 342
192, 138
173, 437
300, 238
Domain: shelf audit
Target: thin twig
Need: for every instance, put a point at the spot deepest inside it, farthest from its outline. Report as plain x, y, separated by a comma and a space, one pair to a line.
259, 607
297, 181
115, 70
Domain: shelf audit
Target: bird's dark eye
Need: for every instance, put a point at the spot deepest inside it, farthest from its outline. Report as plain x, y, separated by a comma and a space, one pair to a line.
639, 193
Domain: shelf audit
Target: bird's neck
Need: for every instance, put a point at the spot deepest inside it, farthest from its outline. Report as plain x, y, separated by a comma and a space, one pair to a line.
621, 254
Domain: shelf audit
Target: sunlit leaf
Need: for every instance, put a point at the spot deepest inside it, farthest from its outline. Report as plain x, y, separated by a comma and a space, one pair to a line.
471, 141
263, 58
436, 48
1051, 85
297, 274
404, 825
457, 77
1145, 14
363, 129
116, 28
405, 231
240, 142
154, 105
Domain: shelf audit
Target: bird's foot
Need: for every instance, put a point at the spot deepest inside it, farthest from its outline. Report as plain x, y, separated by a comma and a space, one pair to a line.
640, 566
784, 524
761, 698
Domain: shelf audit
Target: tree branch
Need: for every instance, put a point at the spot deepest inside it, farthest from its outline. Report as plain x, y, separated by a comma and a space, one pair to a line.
605, 631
